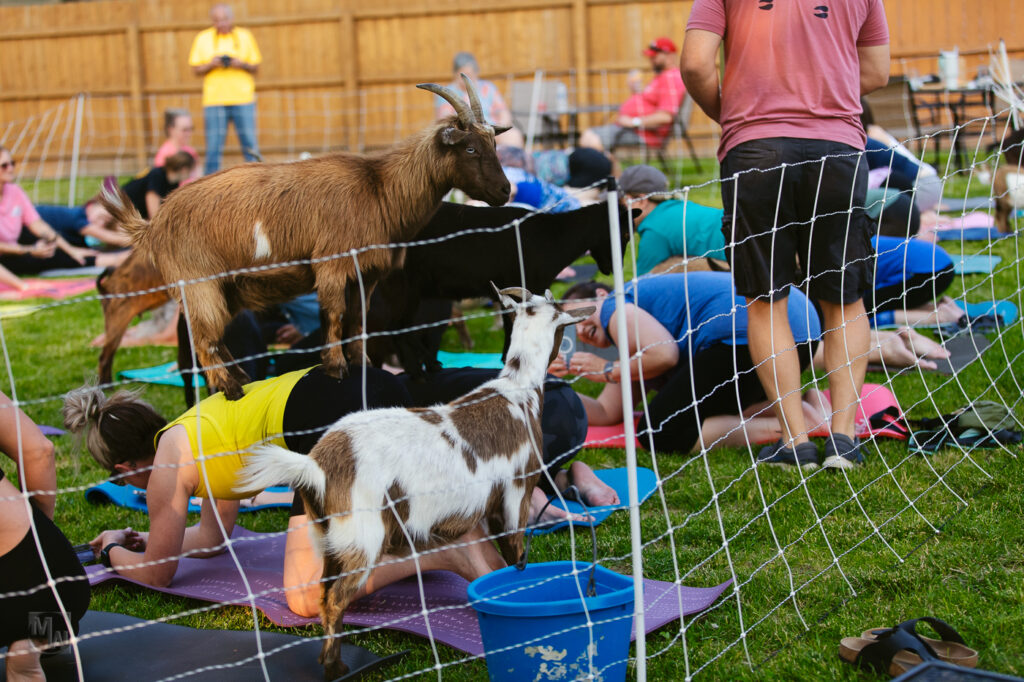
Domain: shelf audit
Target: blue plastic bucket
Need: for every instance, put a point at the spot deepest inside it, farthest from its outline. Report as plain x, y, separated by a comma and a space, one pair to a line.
534, 626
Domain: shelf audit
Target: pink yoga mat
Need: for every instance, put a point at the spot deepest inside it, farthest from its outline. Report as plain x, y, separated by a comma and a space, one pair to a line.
874, 399
397, 607
48, 288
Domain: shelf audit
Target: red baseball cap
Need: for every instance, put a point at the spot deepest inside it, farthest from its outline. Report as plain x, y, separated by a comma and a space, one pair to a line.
660, 45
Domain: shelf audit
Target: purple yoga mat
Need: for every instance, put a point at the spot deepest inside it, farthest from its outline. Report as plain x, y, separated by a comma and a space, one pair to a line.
397, 606
51, 430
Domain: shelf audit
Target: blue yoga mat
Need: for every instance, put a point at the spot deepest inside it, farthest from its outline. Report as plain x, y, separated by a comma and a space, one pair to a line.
975, 264
481, 360
646, 483
971, 234
135, 498
1005, 310
164, 375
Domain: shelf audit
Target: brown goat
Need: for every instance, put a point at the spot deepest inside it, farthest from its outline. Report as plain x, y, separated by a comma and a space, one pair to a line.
243, 237
121, 304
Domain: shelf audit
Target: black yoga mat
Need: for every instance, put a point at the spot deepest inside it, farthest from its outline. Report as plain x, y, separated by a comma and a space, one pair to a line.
964, 349
153, 651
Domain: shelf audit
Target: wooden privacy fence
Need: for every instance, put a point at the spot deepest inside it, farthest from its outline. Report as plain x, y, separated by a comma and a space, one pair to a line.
339, 74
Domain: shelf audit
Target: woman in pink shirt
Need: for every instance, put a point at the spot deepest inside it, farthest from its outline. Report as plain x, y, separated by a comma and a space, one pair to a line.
27, 244
178, 127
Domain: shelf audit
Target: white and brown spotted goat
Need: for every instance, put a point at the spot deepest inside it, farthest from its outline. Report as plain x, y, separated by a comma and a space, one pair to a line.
432, 473
249, 218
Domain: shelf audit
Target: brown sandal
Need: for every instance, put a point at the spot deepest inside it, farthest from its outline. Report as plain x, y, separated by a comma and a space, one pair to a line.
951, 648
894, 651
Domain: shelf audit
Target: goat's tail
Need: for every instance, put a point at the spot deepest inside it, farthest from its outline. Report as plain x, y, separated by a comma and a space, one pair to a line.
270, 465
123, 211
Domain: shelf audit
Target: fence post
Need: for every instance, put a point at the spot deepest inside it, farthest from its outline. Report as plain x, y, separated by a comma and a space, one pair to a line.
349, 76
580, 49
626, 385
75, 149
137, 126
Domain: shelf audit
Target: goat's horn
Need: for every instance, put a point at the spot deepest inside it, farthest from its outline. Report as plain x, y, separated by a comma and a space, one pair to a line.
466, 116
517, 292
474, 98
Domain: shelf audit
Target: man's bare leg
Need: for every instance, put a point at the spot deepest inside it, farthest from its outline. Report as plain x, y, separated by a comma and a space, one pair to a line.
775, 358
845, 338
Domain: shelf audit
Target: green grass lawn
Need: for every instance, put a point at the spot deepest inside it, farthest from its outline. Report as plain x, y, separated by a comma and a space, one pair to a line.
901, 537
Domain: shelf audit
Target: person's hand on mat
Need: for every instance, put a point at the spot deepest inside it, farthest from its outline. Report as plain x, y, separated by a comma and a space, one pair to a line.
288, 335
125, 537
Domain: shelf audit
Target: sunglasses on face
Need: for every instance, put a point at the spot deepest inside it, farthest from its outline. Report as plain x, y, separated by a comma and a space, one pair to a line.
7, 164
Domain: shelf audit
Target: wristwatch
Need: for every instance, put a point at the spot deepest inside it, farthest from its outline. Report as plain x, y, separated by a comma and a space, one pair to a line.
105, 553
637, 121
608, 366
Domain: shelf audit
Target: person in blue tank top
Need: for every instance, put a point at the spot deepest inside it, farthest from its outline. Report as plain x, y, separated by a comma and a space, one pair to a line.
692, 330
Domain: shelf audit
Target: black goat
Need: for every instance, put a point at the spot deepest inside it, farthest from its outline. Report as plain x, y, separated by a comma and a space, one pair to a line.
464, 266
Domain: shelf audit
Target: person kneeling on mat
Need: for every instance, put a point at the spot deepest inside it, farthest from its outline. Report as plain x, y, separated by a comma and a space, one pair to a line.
202, 452
31, 609
692, 348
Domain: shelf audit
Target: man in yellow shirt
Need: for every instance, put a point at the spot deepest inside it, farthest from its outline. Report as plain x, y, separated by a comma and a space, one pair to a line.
227, 58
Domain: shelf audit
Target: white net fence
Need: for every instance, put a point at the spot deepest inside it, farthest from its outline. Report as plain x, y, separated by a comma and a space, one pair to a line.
737, 559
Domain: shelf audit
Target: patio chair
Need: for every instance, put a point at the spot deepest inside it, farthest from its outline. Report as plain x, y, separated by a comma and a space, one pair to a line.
552, 104
678, 131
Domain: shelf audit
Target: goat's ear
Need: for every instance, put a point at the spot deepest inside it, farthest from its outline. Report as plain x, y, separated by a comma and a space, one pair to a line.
575, 315
453, 136
507, 302
498, 130
548, 296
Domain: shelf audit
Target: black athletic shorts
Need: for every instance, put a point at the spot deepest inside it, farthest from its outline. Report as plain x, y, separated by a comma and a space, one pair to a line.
802, 224
36, 614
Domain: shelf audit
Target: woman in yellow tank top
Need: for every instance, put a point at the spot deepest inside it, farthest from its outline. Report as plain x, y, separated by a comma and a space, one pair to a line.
201, 452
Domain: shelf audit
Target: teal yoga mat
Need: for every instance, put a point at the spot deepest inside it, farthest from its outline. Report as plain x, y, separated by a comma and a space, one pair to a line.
164, 375
975, 264
481, 360
135, 498
646, 483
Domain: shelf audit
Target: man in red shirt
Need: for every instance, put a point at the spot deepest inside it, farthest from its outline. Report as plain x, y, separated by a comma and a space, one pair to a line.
646, 117
794, 185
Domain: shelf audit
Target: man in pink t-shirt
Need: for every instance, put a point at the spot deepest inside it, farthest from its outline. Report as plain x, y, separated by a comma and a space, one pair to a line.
794, 186
646, 117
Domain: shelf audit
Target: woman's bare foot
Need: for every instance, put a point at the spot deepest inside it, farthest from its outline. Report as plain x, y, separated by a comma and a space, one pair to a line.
947, 311
551, 514
596, 493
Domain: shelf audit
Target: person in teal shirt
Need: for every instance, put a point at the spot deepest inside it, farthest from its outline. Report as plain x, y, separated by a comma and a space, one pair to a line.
670, 228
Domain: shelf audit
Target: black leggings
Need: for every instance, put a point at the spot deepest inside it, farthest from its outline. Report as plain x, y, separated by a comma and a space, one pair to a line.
914, 292
319, 400
36, 614
715, 383
23, 264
